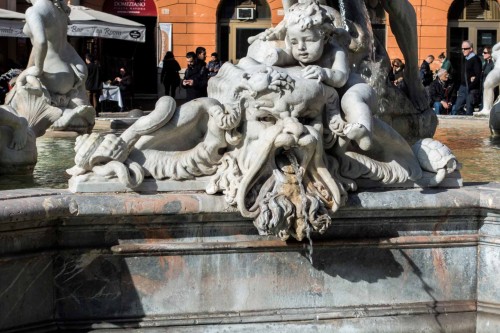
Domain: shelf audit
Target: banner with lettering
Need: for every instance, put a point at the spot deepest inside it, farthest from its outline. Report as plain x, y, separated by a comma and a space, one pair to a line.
130, 7
134, 34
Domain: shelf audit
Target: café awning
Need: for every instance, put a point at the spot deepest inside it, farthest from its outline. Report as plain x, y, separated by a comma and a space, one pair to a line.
84, 22
11, 24
88, 22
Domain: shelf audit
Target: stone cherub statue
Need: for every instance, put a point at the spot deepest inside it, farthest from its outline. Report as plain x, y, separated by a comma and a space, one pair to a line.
314, 42
282, 143
372, 66
50, 91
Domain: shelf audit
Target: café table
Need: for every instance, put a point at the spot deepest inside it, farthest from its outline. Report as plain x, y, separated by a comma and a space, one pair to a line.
111, 93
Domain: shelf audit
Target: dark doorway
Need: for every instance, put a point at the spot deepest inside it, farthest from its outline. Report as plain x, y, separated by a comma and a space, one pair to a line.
138, 58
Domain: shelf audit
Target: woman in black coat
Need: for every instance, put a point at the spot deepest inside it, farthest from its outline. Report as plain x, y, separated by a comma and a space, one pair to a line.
170, 74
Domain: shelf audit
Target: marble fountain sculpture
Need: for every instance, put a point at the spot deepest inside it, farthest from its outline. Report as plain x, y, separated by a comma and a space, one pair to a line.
305, 138
49, 93
285, 134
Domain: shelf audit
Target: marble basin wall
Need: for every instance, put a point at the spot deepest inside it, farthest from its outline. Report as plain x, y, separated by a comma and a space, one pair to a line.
393, 261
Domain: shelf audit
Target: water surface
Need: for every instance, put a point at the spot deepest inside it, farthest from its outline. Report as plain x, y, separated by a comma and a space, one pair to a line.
468, 138
471, 143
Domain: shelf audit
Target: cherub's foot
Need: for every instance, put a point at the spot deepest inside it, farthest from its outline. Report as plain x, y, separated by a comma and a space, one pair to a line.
482, 113
359, 134
20, 135
337, 125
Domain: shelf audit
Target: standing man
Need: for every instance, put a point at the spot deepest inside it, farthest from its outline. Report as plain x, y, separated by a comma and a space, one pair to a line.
125, 83
194, 78
425, 71
201, 57
468, 93
93, 82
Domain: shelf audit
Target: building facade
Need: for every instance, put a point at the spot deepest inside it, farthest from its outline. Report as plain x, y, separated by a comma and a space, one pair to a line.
223, 26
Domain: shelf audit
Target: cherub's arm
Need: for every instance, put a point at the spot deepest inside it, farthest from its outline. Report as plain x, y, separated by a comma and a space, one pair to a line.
339, 73
335, 76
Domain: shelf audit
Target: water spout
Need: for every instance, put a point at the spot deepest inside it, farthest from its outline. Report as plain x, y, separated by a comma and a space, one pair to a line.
343, 15
299, 174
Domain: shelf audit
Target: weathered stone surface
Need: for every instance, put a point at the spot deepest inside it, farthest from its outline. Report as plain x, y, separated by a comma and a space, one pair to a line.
392, 260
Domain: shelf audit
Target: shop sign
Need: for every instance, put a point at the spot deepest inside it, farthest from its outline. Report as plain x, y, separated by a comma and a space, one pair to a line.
130, 7
135, 34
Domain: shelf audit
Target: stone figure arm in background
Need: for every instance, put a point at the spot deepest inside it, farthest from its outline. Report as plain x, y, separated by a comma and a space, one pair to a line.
403, 22
491, 81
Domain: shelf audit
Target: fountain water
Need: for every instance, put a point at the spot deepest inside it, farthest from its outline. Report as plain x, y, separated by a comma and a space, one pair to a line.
343, 15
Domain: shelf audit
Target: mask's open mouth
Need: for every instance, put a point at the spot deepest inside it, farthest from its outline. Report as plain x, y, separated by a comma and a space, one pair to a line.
282, 199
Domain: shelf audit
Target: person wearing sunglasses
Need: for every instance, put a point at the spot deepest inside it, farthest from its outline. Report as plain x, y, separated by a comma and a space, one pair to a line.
470, 81
396, 75
491, 79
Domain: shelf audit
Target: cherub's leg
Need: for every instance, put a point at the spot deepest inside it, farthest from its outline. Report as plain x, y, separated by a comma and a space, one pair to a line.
357, 103
403, 22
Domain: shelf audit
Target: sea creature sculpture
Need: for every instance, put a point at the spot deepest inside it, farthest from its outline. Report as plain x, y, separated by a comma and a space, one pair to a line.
277, 142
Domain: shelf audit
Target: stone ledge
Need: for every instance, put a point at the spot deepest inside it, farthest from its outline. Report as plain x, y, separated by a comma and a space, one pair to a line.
189, 263
304, 318
22, 205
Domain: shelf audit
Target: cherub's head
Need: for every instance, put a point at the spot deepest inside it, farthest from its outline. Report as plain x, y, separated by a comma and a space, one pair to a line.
309, 28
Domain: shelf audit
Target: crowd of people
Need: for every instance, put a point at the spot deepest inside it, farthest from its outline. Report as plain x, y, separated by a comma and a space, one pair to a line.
452, 91
196, 75
449, 90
